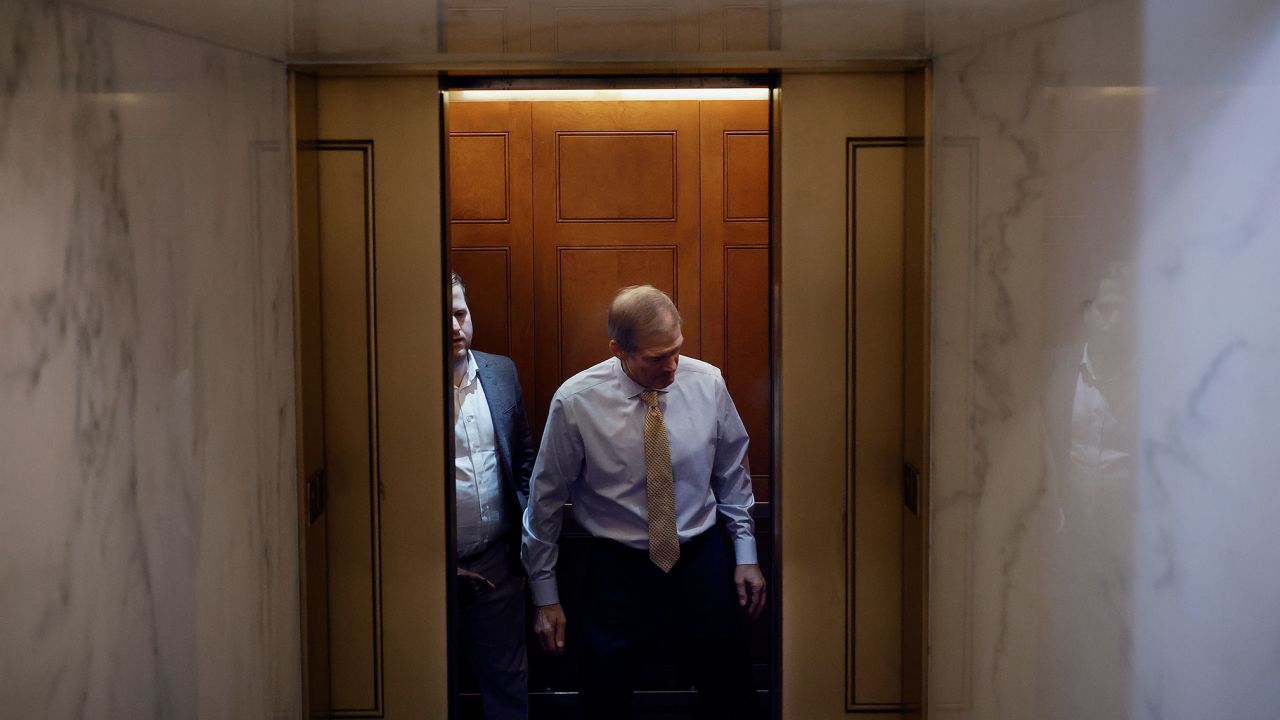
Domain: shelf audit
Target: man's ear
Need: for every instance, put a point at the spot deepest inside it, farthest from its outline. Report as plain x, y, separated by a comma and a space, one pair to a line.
615, 348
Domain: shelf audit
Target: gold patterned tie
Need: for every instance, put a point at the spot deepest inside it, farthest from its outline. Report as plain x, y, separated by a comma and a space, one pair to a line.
664, 544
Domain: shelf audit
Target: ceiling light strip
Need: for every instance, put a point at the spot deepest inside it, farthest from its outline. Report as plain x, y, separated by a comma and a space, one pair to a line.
757, 93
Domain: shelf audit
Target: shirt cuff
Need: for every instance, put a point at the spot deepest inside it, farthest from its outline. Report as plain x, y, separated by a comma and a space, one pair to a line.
744, 550
545, 591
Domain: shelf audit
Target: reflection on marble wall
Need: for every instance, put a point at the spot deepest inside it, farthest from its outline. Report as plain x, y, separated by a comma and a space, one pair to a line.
148, 545
368, 31
1105, 491
256, 26
493, 34
553, 33
1039, 144
783, 33
957, 24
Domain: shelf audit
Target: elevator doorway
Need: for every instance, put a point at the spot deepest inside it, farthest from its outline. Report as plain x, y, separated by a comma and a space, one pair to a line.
557, 199
378, 228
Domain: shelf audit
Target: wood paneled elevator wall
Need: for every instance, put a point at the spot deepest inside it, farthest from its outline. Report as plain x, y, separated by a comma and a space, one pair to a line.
554, 206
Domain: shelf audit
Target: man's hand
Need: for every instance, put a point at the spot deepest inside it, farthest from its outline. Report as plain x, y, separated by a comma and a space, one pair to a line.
476, 578
548, 625
750, 582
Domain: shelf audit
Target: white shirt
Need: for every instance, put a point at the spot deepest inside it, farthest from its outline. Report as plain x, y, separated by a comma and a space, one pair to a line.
593, 454
1101, 428
477, 485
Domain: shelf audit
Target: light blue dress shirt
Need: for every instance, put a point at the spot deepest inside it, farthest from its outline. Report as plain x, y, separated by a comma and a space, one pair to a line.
592, 454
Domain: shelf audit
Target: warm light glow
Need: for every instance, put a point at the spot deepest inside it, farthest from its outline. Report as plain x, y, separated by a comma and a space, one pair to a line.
756, 93
122, 98
1125, 90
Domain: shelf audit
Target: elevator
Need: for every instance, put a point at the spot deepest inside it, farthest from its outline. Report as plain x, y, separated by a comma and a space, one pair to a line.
546, 204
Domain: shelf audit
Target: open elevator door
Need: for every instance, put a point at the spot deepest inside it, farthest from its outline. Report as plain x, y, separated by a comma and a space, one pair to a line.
553, 205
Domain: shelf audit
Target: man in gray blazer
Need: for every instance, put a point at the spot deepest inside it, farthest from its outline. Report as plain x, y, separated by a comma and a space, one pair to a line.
493, 457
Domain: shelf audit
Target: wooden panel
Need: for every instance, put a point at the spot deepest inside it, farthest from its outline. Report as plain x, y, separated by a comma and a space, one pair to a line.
746, 176
616, 177
614, 147
350, 438
587, 279
735, 274
746, 122
501, 302
746, 366
487, 276
876, 432
478, 177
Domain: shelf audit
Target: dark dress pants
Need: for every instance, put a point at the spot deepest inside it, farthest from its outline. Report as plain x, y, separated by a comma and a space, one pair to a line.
689, 616
493, 628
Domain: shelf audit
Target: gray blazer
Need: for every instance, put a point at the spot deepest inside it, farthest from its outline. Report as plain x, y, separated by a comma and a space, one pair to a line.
514, 443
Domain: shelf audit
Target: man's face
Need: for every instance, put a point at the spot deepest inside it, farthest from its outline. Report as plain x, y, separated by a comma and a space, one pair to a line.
1108, 314
462, 330
653, 363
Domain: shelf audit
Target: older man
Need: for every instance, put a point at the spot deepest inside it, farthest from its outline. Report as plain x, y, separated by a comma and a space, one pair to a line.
653, 454
493, 453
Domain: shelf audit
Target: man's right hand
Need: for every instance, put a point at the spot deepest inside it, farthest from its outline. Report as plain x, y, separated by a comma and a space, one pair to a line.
476, 579
548, 625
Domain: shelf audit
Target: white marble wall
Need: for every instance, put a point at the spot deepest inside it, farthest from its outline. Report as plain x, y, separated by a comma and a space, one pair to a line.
148, 544
1207, 533
261, 27
1107, 189
1038, 155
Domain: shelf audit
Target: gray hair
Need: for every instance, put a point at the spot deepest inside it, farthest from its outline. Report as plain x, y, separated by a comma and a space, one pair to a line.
637, 310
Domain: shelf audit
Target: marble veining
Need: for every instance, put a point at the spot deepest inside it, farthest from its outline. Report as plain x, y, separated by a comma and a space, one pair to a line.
1207, 636
1016, 482
146, 390
1104, 490
1106, 511
385, 30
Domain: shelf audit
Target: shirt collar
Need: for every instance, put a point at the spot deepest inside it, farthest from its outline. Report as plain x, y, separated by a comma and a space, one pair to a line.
630, 388
1091, 371
473, 370
1087, 365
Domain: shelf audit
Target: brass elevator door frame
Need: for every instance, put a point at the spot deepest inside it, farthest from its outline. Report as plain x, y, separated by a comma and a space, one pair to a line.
370, 363
852, 647
411, 349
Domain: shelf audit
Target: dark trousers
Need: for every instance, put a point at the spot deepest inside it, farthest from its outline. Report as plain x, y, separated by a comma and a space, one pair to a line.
493, 633
691, 614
